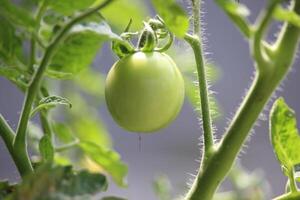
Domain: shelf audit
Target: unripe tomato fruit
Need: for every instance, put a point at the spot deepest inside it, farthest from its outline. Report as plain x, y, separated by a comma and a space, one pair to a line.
144, 91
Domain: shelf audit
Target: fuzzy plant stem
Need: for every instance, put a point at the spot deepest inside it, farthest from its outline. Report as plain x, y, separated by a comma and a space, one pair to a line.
20, 142
195, 42
268, 77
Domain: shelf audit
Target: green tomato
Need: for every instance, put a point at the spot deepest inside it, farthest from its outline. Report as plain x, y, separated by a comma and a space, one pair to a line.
144, 91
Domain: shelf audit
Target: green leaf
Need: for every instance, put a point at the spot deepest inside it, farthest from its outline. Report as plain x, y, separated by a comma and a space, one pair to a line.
284, 135
173, 15
79, 49
46, 149
15, 75
126, 9
238, 13
17, 15
109, 160
290, 16
91, 82
63, 132
234, 8
10, 42
60, 183
68, 7
50, 102
90, 127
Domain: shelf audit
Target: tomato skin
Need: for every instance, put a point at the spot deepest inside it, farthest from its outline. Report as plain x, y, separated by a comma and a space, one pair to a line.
144, 92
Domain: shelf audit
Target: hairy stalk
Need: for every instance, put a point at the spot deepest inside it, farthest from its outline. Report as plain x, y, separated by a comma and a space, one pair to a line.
20, 143
264, 84
196, 44
259, 52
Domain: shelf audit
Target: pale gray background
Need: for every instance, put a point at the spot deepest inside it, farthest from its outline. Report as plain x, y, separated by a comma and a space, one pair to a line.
174, 150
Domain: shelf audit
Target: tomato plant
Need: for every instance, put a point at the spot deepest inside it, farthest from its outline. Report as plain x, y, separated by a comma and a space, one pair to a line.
43, 43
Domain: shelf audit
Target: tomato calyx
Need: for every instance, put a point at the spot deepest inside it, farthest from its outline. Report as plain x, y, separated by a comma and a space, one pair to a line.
155, 36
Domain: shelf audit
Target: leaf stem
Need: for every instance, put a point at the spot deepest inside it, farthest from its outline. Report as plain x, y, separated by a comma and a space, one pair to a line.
20, 142
67, 146
240, 22
195, 43
264, 20
292, 181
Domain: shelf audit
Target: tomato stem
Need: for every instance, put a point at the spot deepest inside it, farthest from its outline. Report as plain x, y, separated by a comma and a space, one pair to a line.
196, 44
20, 142
265, 83
7, 134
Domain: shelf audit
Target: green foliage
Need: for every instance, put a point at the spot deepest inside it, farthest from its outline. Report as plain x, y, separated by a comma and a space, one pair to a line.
96, 132
46, 149
59, 183
238, 13
79, 49
287, 15
107, 159
63, 132
68, 7
122, 11
17, 15
81, 139
284, 134
10, 42
15, 75
234, 8
91, 83
50, 102
173, 15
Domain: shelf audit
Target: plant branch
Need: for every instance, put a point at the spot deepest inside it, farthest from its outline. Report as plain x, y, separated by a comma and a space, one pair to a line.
195, 42
263, 23
7, 134
20, 143
264, 84
240, 22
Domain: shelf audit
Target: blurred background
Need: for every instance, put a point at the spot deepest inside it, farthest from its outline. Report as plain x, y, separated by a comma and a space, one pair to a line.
174, 151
